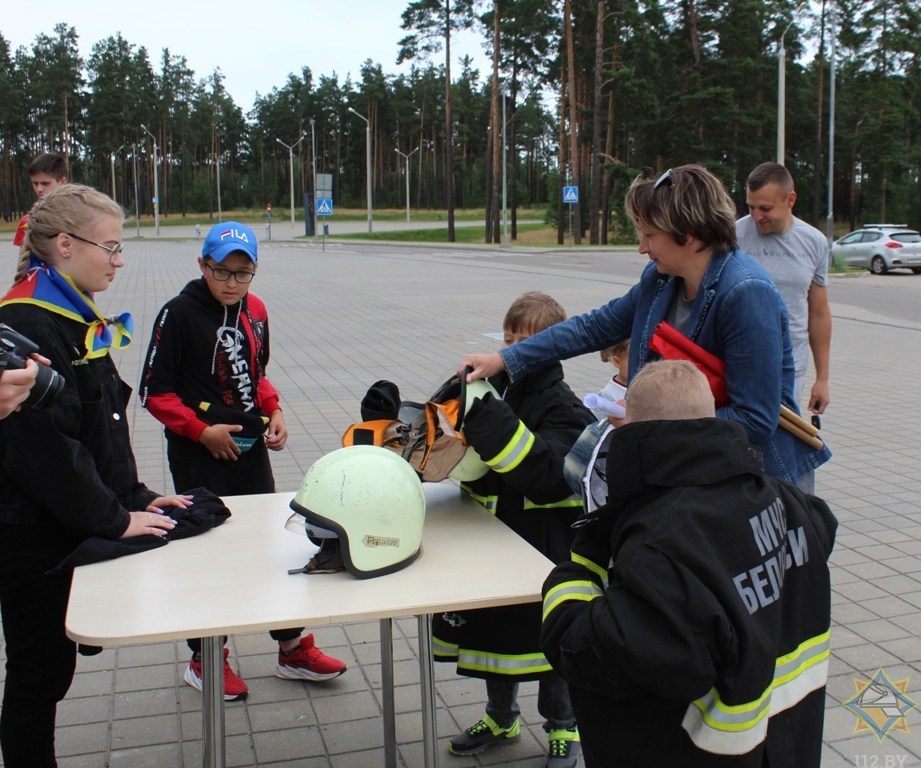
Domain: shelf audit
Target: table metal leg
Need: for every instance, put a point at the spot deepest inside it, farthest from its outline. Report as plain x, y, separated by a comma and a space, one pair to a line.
390, 725
427, 673
212, 712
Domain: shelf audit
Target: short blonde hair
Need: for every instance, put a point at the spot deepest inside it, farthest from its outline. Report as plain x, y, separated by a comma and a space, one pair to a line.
618, 350
533, 312
687, 201
669, 390
68, 209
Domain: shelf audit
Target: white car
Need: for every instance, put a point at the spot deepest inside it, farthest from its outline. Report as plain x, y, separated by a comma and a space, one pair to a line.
879, 248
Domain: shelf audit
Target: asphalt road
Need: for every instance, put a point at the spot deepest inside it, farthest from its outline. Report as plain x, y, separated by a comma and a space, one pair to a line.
892, 298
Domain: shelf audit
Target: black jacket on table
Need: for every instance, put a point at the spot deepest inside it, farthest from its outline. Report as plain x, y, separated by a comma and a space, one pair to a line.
524, 439
706, 641
70, 466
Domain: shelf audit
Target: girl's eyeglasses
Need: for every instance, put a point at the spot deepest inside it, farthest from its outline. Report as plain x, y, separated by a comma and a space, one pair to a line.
113, 251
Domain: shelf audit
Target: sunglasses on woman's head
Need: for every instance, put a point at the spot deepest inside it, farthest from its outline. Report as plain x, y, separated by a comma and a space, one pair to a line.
665, 178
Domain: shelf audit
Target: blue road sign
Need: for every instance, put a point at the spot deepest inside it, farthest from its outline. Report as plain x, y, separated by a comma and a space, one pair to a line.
324, 207
570, 194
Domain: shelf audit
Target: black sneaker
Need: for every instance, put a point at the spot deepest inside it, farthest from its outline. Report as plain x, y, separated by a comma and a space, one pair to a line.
484, 734
564, 748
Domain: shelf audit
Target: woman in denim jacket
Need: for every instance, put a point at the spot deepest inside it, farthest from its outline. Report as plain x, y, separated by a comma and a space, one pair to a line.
714, 294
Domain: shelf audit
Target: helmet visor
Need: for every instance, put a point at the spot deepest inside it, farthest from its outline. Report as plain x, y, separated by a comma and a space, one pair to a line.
297, 523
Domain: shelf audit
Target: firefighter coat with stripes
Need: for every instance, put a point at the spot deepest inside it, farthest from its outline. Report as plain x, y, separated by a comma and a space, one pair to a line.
523, 438
693, 623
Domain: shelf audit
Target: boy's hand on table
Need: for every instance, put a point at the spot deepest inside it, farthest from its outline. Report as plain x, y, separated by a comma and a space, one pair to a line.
218, 439
277, 434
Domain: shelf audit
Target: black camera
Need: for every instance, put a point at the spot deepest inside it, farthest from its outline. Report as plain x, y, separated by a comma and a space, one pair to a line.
14, 352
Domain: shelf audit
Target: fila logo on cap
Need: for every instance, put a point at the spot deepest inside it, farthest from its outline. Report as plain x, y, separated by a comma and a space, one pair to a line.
235, 233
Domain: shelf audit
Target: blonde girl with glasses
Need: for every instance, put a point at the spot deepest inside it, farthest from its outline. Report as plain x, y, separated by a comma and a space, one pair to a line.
67, 471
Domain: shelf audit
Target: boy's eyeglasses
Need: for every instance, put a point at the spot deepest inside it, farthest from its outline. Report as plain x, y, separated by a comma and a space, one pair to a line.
665, 178
223, 275
113, 250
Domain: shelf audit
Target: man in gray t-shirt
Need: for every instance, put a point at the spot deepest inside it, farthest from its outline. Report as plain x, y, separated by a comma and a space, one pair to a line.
795, 255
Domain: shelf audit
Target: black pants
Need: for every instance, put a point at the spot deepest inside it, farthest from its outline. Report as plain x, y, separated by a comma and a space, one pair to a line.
40, 659
193, 467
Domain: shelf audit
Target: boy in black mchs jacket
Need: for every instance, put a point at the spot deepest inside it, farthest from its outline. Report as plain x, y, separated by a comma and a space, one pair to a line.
205, 380
694, 630
523, 438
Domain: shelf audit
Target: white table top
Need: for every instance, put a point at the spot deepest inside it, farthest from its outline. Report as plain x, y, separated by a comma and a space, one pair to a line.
234, 579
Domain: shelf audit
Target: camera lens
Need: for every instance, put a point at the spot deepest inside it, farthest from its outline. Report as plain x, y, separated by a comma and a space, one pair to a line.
48, 385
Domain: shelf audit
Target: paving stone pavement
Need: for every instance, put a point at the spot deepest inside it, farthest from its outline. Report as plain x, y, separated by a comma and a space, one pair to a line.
343, 318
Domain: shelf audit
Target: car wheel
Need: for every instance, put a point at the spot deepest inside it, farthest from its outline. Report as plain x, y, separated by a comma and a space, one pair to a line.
916, 270
878, 266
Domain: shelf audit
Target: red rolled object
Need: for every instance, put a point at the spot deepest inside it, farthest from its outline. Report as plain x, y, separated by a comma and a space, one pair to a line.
674, 345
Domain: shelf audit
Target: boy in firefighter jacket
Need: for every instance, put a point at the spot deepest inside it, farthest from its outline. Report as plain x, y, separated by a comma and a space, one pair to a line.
204, 379
523, 438
693, 624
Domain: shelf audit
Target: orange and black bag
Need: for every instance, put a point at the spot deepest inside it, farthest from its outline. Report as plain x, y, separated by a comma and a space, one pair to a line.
426, 434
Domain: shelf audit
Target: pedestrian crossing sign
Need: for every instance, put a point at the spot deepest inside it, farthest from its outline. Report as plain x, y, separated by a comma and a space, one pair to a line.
570, 194
324, 207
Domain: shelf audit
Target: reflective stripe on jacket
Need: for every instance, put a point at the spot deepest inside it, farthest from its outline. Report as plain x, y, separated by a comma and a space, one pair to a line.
514, 451
733, 730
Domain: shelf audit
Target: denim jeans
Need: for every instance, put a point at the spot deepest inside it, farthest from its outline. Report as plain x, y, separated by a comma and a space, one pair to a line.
552, 702
807, 483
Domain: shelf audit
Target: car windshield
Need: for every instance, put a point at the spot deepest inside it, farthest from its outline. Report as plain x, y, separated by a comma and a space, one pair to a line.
906, 237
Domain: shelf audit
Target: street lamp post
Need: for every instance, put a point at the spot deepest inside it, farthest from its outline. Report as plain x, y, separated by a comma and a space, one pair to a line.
113, 169
782, 97
291, 168
137, 200
504, 176
313, 158
368, 154
156, 181
419, 175
831, 136
406, 158
217, 168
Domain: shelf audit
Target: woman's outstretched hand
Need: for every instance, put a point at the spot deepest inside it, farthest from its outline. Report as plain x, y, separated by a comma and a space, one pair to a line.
482, 366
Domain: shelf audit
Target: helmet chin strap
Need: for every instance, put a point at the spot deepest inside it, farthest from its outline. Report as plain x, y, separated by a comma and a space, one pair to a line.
327, 560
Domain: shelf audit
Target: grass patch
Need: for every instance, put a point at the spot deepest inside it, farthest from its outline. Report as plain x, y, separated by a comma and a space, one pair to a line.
283, 215
399, 214
536, 235
470, 235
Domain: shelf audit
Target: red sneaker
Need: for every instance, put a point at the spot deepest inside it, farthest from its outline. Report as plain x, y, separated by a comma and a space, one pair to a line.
307, 662
234, 687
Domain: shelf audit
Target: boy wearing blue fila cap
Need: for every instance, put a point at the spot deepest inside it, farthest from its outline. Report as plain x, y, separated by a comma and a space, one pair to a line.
204, 379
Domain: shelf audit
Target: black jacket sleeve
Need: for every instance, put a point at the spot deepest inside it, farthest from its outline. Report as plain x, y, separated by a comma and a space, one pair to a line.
654, 629
493, 429
45, 455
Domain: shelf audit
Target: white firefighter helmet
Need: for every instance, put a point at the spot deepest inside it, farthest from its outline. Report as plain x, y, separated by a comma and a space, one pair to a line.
472, 467
368, 502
